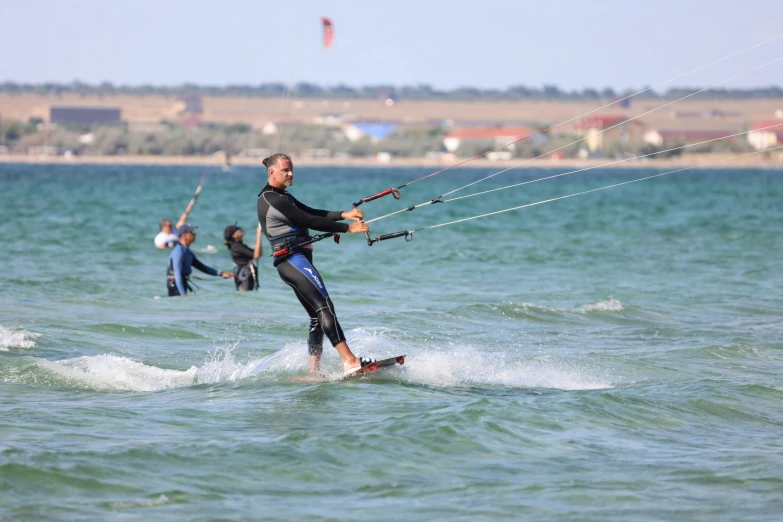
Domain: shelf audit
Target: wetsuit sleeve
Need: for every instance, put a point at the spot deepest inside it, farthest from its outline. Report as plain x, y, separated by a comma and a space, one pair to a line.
176, 262
204, 268
333, 215
243, 250
320, 220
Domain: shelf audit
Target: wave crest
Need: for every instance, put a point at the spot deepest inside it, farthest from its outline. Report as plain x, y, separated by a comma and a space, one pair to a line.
16, 337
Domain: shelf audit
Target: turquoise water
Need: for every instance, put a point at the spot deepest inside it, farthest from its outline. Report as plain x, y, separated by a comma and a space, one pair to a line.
612, 356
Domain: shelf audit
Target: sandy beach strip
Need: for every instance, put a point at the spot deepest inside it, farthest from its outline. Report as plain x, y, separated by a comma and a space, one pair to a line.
762, 160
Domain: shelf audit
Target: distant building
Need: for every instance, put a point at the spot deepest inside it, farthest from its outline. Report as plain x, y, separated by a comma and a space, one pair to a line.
376, 131
659, 137
329, 120
84, 115
189, 104
499, 155
766, 134
709, 114
267, 128
191, 120
600, 132
499, 136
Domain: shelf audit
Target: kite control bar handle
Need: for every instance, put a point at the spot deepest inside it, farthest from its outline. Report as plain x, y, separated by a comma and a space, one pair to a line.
407, 234
393, 191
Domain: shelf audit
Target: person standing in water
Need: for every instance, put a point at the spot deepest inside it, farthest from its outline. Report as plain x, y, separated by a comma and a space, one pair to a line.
245, 271
181, 261
286, 223
168, 237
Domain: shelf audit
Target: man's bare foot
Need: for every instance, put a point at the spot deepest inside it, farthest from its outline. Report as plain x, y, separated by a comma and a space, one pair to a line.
351, 362
358, 364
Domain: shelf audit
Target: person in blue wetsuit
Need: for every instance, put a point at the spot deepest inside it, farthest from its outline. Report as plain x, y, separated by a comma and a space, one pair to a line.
286, 223
182, 259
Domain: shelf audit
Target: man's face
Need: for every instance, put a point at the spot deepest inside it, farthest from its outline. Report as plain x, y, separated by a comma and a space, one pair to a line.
166, 227
187, 238
281, 174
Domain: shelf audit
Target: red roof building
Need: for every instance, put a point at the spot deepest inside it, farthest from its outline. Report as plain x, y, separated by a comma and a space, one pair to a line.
602, 131
498, 135
600, 122
766, 134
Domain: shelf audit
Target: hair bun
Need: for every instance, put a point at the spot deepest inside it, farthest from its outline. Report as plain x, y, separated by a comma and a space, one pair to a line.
271, 160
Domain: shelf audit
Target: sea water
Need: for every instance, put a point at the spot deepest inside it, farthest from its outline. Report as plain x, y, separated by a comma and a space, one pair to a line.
612, 356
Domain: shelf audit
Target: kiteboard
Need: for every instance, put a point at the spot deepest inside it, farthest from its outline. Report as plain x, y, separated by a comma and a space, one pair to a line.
377, 365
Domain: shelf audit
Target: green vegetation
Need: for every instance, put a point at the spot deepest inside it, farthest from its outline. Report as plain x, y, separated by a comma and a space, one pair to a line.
301, 140
174, 140
417, 92
12, 131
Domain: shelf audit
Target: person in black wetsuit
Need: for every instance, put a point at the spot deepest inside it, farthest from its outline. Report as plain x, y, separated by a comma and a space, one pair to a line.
245, 271
286, 223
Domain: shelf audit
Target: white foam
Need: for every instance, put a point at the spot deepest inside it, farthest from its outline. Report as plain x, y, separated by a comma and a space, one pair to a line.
161, 500
114, 373
452, 366
110, 372
465, 366
605, 305
223, 366
609, 304
468, 366
16, 337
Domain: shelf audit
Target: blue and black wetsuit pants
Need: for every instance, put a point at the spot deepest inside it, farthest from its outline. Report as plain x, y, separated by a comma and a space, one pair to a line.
299, 273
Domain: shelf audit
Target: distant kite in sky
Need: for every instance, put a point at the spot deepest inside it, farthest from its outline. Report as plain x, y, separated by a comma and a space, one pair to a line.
328, 32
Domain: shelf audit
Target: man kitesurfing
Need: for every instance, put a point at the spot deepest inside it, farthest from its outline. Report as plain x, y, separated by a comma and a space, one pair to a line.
286, 223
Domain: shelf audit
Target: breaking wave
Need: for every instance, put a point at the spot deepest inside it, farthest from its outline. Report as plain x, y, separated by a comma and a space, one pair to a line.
16, 337
428, 365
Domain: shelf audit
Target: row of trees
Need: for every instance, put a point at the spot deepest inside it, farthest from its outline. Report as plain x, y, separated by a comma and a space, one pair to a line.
232, 139
298, 140
418, 92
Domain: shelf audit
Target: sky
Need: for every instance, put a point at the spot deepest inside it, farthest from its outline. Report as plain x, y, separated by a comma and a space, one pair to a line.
443, 43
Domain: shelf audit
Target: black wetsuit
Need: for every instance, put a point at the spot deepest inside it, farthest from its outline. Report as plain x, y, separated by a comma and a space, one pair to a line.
286, 223
245, 274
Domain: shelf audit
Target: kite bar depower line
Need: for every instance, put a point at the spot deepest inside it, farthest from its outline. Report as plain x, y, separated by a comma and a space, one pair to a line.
595, 189
408, 234
681, 147
396, 193
583, 115
439, 199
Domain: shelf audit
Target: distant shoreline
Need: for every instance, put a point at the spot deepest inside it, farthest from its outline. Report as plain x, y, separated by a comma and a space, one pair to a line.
706, 160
